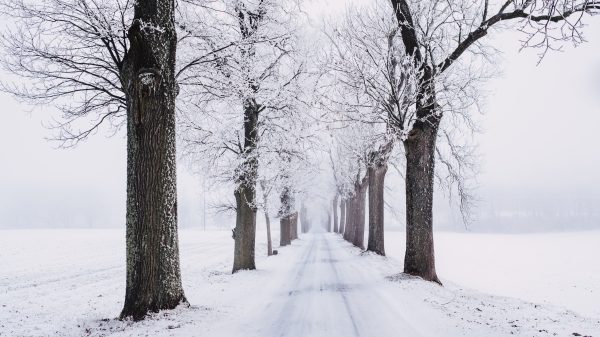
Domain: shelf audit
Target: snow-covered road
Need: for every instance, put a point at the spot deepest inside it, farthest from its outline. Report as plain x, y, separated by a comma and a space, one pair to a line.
327, 291
71, 283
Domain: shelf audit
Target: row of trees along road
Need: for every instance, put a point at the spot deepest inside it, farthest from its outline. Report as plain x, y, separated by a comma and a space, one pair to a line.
400, 66
249, 101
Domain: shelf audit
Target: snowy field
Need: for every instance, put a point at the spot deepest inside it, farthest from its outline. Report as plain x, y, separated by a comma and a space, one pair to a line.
71, 283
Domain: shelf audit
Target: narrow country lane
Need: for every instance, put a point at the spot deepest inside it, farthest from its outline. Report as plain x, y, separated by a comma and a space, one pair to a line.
330, 292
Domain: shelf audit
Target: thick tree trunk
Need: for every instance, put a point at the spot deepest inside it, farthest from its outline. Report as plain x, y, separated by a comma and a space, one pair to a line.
285, 235
420, 156
153, 271
342, 216
335, 214
376, 208
376, 173
358, 238
419, 259
245, 226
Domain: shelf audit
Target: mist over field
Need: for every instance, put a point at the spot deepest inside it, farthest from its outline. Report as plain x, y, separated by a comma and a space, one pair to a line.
299, 168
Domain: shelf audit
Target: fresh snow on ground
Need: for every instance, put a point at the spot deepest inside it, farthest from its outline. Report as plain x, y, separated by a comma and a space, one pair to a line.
71, 283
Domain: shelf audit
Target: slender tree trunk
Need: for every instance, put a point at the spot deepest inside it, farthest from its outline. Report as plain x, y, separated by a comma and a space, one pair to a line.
269, 242
419, 259
335, 214
359, 223
267, 218
376, 208
153, 270
244, 233
294, 225
304, 219
342, 216
350, 217
285, 225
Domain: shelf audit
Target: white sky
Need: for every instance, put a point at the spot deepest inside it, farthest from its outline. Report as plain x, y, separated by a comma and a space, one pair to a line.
540, 138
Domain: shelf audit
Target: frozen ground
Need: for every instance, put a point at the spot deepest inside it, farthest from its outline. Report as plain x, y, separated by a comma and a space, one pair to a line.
71, 283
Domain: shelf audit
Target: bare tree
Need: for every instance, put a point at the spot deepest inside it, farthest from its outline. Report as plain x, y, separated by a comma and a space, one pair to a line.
266, 190
247, 97
441, 37
112, 63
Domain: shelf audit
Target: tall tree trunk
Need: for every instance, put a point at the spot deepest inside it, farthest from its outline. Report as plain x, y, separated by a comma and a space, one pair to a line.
376, 208
153, 270
285, 225
419, 259
245, 226
269, 242
285, 235
350, 216
304, 218
359, 223
376, 173
420, 156
335, 214
267, 218
294, 225
342, 216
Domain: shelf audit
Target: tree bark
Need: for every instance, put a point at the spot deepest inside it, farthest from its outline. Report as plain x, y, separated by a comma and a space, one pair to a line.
153, 269
294, 225
342, 216
376, 173
244, 233
269, 242
350, 216
335, 214
285, 225
376, 208
285, 235
358, 238
420, 157
267, 218
419, 259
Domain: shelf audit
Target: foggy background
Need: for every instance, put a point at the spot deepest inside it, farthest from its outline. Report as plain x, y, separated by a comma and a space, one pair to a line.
539, 157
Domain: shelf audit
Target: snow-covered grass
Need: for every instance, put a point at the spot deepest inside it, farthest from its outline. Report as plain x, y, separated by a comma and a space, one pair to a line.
71, 283
555, 268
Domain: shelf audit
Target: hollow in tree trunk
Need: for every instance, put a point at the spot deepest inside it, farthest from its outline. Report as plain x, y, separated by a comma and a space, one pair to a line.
153, 271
